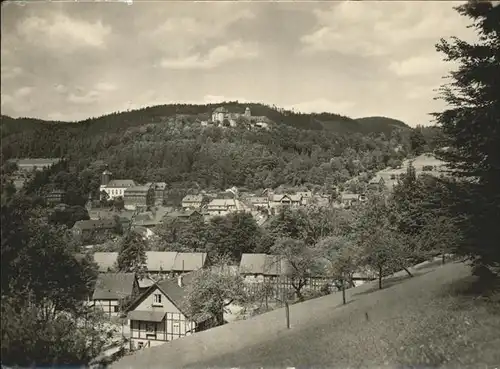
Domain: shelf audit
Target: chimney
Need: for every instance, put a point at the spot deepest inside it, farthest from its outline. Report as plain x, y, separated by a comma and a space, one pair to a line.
179, 281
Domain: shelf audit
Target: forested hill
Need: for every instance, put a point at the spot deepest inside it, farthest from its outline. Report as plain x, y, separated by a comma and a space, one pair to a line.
167, 143
122, 120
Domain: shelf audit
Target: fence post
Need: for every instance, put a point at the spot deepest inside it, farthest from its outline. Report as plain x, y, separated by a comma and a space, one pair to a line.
287, 310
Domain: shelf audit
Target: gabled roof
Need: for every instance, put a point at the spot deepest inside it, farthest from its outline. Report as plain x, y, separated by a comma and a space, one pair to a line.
376, 180
192, 198
121, 183
296, 197
171, 289
114, 286
160, 260
157, 261
189, 261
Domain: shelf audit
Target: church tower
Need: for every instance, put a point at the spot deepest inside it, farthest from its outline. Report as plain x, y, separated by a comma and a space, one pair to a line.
247, 112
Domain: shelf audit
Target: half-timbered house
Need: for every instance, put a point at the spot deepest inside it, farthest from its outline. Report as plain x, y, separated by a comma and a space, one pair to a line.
159, 315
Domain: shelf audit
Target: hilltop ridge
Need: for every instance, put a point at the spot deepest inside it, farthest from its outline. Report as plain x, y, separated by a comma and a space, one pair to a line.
121, 120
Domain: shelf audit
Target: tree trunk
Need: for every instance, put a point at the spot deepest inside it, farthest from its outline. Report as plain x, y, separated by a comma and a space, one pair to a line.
379, 277
343, 294
443, 258
407, 271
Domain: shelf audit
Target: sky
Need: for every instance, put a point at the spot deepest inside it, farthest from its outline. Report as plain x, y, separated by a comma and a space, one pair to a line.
74, 60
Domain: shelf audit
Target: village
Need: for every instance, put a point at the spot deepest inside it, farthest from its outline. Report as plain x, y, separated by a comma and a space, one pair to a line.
154, 312
250, 185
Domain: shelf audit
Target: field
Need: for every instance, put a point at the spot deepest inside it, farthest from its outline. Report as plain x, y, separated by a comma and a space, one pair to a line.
428, 321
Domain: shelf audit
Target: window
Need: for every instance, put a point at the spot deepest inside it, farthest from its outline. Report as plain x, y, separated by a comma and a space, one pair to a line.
157, 298
116, 308
175, 328
150, 327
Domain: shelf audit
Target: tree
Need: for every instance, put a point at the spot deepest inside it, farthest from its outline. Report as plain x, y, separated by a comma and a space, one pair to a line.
417, 141
340, 255
382, 248
132, 254
232, 235
471, 123
42, 307
68, 215
211, 292
300, 260
119, 204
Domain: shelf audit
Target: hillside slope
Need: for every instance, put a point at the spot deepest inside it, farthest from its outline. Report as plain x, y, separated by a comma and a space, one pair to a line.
422, 321
121, 120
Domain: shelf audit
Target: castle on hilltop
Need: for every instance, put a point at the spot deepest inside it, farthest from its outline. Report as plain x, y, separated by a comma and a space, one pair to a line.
221, 115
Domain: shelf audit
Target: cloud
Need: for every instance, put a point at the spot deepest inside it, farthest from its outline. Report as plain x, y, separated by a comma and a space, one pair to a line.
419, 65
106, 87
61, 89
23, 91
236, 50
322, 105
382, 28
63, 33
10, 72
86, 98
422, 92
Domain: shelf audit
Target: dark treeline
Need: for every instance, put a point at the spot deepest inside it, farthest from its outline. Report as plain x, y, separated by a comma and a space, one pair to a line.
146, 145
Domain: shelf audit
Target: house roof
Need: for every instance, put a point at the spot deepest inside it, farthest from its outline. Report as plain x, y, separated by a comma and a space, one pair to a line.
189, 261
36, 161
146, 316
349, 196
114, 286
220, 109
121, 183
157, 261
182, 214
192, 198
144, 188
105, 260
170, 287
256, 199
222, 202
95, 224
160, 260
145, 282
375, 180
263, 264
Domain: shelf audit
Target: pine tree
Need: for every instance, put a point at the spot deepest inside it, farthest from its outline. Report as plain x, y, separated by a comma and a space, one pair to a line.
472, 124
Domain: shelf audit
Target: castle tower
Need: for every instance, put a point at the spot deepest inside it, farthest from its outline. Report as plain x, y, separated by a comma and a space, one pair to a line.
247, 112
105, 177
